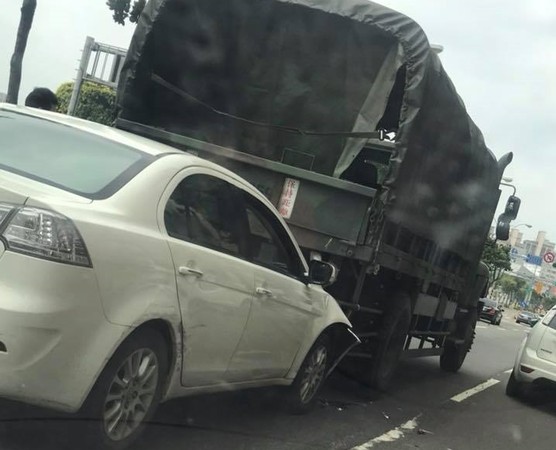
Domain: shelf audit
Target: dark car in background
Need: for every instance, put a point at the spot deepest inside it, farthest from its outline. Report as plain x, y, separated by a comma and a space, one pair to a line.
491, 311
528, 317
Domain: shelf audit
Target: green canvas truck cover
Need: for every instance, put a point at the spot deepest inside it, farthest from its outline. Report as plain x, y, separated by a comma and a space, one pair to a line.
287, 79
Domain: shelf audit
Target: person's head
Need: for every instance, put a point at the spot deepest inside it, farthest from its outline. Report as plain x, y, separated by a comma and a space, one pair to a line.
42, 98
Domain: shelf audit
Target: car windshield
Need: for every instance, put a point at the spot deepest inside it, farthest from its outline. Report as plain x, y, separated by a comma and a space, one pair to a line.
62, 156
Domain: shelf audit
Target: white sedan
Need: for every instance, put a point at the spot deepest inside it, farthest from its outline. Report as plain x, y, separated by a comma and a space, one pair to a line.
132, 273
536, 360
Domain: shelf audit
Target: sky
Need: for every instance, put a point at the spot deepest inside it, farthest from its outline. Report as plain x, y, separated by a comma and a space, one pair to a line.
500, 54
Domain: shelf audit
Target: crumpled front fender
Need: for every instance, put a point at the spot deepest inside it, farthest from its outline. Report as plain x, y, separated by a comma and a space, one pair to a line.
344, 340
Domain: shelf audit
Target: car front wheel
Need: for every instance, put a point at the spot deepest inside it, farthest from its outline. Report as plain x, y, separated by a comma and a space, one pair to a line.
302, 394
127, 392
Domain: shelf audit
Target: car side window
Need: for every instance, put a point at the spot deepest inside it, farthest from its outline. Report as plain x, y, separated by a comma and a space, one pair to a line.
550, 319
552, 323
201, 210
268, 243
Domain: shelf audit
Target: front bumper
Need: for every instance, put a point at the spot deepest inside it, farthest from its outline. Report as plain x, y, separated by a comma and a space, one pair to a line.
54, 335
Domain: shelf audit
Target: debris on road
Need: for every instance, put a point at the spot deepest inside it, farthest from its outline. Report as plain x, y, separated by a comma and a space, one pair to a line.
423, 431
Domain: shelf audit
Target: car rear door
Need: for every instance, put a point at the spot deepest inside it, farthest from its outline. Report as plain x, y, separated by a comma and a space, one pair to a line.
214, 284
284, 306
547, 346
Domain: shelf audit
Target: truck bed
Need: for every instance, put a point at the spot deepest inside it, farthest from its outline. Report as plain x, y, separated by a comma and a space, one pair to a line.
328, 215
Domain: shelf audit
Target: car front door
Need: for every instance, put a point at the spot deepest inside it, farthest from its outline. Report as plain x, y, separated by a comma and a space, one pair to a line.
284, 306
547, 346
214, 284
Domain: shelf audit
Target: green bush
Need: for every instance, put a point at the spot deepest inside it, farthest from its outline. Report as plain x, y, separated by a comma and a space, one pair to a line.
96, 102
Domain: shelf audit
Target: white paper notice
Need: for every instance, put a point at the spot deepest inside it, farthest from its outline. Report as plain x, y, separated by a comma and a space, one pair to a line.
287, 200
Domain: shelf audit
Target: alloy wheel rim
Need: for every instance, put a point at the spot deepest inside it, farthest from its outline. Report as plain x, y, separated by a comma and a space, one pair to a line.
313, 374
130, 394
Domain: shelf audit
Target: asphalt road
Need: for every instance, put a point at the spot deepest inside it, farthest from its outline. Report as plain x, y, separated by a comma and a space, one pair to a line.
418, 412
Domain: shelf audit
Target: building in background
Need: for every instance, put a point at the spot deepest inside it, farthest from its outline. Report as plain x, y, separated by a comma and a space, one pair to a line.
539, 246
515, 238
3, 97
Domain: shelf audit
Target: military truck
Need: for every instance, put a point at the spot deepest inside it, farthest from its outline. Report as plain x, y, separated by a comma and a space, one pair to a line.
343, 116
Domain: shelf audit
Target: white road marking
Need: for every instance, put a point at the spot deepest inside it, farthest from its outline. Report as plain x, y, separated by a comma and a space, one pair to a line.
482, 327
469, 392
390, 436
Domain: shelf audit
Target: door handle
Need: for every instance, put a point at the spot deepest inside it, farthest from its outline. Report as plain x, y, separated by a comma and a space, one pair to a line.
189, 271
263, 291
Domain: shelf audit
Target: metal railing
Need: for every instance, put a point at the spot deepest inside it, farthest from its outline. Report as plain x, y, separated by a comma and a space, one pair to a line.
100, 63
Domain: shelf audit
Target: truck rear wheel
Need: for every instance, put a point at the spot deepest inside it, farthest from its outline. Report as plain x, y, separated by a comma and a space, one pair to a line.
454, 353
392, 338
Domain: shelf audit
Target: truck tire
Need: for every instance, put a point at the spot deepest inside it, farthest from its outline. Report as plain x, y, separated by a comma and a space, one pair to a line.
454, 354
392, 338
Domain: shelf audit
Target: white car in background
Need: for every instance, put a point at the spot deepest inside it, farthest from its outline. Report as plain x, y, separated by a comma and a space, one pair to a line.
132, 273
536, 360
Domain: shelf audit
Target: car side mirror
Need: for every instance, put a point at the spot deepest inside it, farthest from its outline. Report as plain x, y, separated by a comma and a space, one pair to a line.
502, 309
512, 207
503, 228
321, 272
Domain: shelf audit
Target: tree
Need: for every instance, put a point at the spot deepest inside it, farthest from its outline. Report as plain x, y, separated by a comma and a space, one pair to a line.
549, 302
536, 301
25, 22
515, 288
121, 10
96, 102
497, 258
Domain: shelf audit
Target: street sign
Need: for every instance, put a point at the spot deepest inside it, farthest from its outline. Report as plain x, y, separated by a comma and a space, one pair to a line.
535, 260
549, 257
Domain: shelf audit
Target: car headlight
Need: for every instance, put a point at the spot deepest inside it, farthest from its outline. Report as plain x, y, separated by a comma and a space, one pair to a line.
44, 234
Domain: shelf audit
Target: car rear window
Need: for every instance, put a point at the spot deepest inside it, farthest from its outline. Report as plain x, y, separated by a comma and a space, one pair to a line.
65, 157
491, 303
